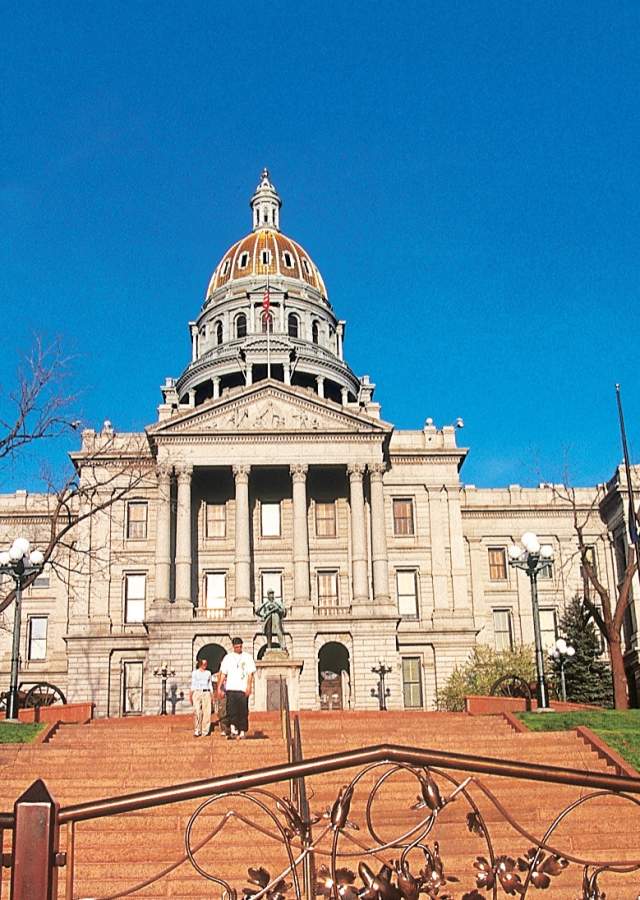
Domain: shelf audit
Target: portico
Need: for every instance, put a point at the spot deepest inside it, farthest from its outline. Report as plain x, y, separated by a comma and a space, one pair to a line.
202, 447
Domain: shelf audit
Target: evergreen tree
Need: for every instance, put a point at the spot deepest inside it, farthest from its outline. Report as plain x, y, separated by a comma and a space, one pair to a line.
587, 676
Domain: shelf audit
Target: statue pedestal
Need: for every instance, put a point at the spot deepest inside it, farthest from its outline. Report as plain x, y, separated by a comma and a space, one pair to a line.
274, 665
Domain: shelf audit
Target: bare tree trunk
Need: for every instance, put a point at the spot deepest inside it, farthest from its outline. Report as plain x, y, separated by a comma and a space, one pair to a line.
620, 692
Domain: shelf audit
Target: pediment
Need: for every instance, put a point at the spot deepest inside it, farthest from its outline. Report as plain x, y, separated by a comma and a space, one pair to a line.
269, 408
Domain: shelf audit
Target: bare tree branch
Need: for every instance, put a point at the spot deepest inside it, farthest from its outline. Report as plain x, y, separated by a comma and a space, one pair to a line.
40, 406
111, 471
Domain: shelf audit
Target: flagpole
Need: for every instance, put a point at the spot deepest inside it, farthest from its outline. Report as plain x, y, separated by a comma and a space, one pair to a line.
633, 523
269, 320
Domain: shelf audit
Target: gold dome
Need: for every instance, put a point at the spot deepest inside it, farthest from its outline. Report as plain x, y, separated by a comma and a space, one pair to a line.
266, 252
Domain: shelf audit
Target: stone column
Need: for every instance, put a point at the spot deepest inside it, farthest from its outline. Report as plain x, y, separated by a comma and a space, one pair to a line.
358, 535
183, 537
379, 554
437, 499
248, 373
340, 337
163, 535
193, 328
300, 534
243, 552
320, 383
216, 386
458, 560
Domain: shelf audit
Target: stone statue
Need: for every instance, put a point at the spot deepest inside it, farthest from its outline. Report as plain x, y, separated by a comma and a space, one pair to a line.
272, 612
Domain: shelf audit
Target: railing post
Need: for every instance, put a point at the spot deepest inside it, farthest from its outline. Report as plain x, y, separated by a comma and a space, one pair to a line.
34, 859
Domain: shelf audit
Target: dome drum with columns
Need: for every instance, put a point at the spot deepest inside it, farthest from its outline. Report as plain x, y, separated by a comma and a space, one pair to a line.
299, 341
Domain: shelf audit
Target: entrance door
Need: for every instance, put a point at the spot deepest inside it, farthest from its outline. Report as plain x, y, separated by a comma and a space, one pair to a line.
330, 690
334, 681
132, 683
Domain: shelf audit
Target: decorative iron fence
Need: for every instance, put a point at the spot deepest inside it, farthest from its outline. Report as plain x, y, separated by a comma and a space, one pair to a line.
347, 850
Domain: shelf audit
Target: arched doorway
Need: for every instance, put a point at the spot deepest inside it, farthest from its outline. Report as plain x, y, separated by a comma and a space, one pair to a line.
214, 654
334, 676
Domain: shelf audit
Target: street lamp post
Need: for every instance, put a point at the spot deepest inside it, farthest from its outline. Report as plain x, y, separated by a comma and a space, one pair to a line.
381, 692
562, 652
533, 558
19, 563
164, 672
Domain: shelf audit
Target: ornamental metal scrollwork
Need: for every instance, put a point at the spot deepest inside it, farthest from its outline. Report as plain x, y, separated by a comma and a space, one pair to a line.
355, 858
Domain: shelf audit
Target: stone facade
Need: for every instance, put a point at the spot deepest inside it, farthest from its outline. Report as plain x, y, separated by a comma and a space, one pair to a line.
270, 468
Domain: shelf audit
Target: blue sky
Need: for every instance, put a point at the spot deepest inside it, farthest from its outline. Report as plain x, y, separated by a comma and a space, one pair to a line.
465, 175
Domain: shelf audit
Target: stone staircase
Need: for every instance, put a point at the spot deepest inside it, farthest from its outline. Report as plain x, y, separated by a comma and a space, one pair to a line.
114, 757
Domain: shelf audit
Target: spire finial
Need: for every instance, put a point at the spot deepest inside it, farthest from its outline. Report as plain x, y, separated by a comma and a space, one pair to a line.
265, 204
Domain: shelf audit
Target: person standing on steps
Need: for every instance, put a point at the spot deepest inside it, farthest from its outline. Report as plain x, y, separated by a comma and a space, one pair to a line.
200, 697
236, 680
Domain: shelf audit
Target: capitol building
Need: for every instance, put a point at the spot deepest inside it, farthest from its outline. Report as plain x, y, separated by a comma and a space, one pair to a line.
270, 467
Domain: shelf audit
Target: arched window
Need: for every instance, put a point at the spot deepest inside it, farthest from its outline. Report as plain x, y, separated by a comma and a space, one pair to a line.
241, 326
293, 325
267, 323
218, 332
315, 332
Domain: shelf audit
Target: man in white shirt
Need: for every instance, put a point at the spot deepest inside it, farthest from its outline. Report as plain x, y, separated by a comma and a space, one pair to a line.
200, 697
236, 681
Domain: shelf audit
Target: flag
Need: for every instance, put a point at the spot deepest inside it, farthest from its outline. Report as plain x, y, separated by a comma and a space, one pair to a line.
266, 303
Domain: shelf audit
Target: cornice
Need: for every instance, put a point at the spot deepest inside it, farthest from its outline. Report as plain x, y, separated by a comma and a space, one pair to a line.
332, 437
427, 458
505, 512
24, 518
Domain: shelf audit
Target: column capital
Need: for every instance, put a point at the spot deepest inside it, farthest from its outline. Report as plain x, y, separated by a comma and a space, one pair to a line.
298, 472
241, 474
377, 470
184, 471
163, 472
356, 471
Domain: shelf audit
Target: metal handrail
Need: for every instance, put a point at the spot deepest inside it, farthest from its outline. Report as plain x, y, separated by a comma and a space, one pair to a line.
392, 753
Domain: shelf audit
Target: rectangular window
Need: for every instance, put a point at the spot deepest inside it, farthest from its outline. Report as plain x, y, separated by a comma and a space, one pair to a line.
134, 597
325, 519
270, 519
215, 590
407, 593
503, 629
136, 521
38, 637
215, 520
327, 588
412, 682
42, 581
402, 517
497, 564
548, 628
546, 574
272, 581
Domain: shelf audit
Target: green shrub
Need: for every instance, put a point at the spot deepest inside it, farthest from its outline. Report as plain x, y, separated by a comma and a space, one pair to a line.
482, 670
